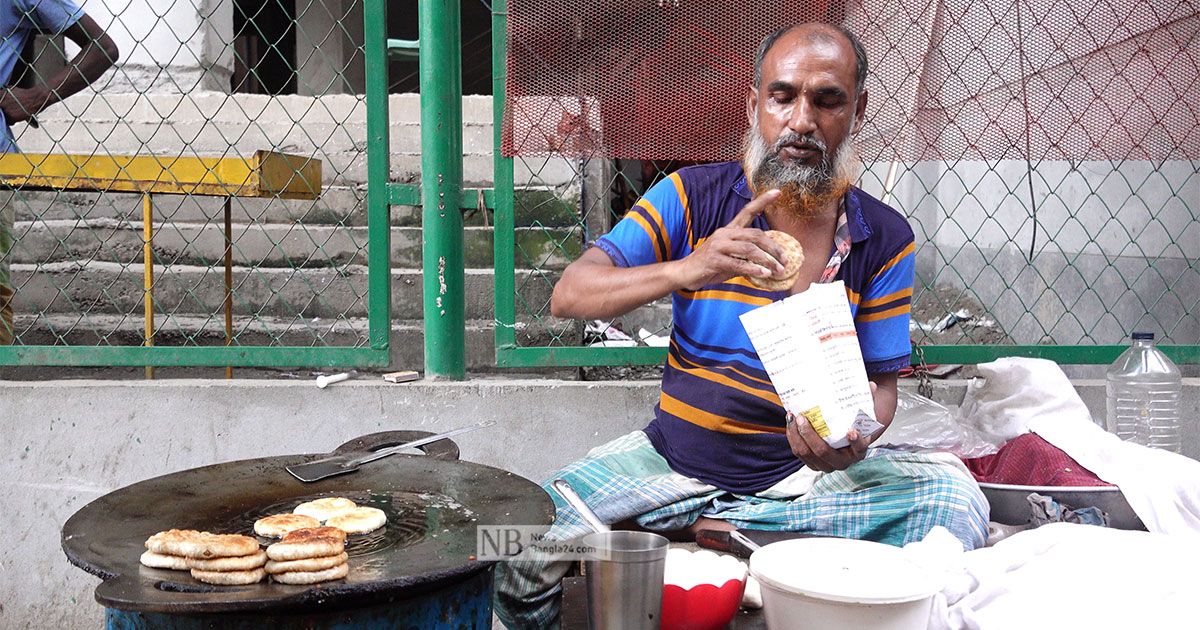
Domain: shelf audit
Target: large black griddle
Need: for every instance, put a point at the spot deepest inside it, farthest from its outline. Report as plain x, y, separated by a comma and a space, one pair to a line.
434, 503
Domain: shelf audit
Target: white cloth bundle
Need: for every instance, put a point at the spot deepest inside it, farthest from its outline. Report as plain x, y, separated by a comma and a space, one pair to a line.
1017, 395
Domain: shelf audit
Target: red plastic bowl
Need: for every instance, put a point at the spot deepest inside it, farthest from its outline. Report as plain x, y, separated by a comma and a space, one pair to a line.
702, 607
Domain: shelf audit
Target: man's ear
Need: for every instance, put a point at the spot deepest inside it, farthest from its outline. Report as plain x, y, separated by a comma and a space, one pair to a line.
860, 111
751, 105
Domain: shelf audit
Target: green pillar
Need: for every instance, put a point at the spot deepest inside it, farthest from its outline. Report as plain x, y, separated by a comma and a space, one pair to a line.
441, 188
379, 268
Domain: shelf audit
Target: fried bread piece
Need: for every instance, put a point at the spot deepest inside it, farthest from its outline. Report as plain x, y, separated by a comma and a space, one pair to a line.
312, 577
164, 561
306, 564
309, 533
325, 509
235, 563
794, 254
230, 578
299, 549
360, 520
279, 525
193, 544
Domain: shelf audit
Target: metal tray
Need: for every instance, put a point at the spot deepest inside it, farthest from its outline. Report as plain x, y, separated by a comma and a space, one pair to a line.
1010, 507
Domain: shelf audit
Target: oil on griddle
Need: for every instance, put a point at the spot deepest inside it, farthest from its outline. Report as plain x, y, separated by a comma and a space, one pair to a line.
411, 517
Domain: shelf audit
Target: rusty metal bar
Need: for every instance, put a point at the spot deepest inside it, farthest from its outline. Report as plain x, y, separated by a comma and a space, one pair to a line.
148, 273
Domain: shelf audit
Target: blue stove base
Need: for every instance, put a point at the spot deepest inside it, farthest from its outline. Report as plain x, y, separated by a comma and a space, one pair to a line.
462, 605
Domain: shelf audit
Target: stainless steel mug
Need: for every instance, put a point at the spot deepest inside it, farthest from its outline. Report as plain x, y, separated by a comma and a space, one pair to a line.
625, 580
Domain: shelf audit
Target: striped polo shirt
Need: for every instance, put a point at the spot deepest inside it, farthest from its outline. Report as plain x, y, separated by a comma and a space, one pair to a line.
718, 418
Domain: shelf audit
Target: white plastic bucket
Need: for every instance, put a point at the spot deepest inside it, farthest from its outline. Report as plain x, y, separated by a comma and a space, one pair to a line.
836, 584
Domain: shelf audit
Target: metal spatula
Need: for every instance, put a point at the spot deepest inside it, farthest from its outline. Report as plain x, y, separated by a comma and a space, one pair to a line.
349, 462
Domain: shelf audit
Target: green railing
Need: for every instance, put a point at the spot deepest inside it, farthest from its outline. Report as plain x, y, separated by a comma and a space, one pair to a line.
526, 336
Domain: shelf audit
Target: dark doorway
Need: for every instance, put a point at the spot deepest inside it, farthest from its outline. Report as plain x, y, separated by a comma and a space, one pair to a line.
476, 47
264, 46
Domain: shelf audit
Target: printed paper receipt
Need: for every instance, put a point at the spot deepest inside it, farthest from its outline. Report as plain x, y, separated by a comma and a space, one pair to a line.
808, 345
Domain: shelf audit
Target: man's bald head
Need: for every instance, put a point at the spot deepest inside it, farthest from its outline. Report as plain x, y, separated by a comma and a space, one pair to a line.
816, 32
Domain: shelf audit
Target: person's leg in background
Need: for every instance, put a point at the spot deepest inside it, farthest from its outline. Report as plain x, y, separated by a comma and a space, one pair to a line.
8, 212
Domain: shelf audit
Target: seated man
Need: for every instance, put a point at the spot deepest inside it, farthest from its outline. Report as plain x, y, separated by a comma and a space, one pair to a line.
721, 452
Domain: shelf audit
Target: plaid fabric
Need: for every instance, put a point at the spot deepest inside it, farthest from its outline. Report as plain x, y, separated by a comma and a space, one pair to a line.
891, 497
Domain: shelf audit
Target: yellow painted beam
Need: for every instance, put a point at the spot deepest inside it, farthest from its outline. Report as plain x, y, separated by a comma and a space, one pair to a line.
265, 174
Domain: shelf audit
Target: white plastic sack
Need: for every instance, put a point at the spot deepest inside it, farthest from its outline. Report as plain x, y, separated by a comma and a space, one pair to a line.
1011, 392
924, 425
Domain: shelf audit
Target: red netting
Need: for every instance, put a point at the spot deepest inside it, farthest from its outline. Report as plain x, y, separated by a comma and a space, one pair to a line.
972, 79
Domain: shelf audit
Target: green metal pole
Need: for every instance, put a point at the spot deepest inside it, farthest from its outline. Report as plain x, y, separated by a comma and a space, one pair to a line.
441, 185
379, 232
504, 259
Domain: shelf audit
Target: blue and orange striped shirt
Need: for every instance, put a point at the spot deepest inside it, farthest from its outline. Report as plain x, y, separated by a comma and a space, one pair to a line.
719, 419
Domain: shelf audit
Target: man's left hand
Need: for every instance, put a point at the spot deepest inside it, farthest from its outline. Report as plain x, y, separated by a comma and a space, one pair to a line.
812, 449
21, 104
816, 453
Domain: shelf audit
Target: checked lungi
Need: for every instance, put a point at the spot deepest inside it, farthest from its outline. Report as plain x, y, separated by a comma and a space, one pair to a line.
893, 497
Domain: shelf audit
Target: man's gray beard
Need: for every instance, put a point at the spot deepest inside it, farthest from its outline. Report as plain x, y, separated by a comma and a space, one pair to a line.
766, 170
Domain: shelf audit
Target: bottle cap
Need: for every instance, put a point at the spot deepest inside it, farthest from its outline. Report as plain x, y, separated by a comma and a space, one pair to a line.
1143, 336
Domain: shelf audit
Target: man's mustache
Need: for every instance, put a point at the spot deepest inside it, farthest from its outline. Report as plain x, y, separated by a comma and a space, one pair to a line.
801, 141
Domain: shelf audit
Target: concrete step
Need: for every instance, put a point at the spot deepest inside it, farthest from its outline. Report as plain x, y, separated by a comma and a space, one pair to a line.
331, 128
270, 245
338, 205
406, 348
116, 289
533, 206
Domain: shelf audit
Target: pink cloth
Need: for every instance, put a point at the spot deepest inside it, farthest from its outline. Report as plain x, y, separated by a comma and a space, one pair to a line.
1029, 460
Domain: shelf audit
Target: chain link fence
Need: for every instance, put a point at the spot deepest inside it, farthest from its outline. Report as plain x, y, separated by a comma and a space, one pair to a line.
1045, 151
143, 213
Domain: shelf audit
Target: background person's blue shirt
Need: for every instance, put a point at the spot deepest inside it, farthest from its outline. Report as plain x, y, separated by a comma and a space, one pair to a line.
20, 20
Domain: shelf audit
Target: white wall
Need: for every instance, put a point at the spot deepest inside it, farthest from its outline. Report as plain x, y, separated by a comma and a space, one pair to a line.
168, 45
1115, 245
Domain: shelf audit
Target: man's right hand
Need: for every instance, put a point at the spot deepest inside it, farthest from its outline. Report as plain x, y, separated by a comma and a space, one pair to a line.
734, 250
592, 287
21, 104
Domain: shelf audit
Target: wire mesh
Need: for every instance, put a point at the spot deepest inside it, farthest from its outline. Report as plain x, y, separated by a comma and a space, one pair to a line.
1046, 152
198, 86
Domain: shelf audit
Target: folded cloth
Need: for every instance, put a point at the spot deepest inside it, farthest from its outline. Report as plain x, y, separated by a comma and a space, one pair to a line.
1029, 460
1062, 576
1020, 395
1046, 510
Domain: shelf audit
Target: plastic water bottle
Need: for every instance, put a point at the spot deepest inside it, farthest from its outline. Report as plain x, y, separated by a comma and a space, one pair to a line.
1144, 389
